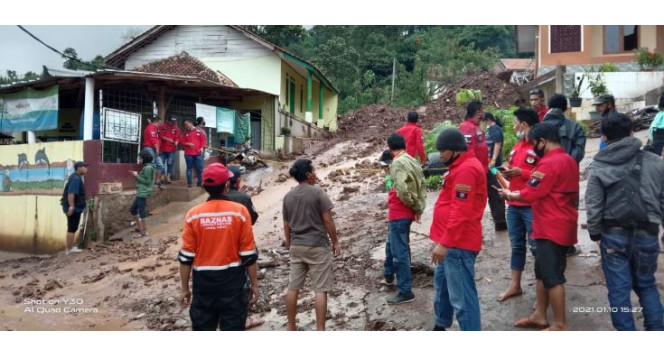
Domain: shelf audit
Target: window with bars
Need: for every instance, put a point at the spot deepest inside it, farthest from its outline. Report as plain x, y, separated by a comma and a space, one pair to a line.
565, 38
130, 100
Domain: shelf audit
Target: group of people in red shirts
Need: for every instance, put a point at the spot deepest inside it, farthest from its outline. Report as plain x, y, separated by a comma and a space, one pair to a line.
161, 141
543, 187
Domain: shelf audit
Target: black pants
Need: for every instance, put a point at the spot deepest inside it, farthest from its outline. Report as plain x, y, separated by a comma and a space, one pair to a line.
496, 204
226, 310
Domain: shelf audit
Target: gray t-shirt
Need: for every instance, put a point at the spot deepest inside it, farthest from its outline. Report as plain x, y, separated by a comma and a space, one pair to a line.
303, 209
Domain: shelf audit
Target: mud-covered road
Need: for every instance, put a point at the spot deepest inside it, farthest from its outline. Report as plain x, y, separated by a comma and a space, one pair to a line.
134, 284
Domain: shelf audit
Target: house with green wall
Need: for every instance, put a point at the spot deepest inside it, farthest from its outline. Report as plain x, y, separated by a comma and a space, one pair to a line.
305, 101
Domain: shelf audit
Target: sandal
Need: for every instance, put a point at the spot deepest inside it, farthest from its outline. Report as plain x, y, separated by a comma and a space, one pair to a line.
526, 322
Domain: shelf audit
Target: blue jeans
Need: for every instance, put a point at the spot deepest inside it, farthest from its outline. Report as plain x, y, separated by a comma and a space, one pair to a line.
167, 159
520, 227
194, 162
456, 293
629, 261
397, 254
157, 158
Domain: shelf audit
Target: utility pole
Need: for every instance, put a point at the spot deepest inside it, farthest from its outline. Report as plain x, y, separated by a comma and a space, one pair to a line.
394, 66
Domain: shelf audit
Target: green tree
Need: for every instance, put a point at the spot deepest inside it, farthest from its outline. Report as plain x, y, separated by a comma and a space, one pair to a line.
73, 62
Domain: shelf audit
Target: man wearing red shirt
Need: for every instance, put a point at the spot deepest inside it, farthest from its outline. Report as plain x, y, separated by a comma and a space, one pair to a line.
151, 144
522, 161
412, 132
170, 137
193, 141
457, 231
537, 103
476, 141
553, 191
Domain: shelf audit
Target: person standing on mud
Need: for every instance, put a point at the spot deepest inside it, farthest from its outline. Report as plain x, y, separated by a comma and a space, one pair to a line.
144, 189
218, 245
572, 137
476, 141
457, 231
406, 202
628, 245
553, 192
73, 203
521, 163
307, 213
412, 132
193, 141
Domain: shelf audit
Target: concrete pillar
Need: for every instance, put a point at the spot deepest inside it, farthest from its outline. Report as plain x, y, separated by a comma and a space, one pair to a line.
88, 111
309, 116
32, 138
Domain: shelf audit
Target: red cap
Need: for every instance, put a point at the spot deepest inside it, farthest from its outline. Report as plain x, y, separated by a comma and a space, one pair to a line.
216, 175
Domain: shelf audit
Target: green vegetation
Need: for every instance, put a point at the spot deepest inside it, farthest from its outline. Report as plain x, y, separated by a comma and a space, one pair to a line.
359, 60
431, 135
465, 96
434, 182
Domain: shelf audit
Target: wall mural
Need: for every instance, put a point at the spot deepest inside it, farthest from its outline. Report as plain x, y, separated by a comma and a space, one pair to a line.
38, 169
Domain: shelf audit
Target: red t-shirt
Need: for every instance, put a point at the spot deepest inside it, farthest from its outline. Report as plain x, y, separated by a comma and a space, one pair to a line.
457, 214
170, 132
522, 156
195, 136
542, 112
413, 135
476, 140
204, 142
151, 137
553, 192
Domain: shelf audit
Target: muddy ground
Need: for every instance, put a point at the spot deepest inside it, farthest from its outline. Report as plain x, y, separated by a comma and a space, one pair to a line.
134, 284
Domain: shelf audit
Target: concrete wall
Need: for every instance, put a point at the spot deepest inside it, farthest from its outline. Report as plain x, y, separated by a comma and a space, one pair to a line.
625, 84
31, 218
101, 172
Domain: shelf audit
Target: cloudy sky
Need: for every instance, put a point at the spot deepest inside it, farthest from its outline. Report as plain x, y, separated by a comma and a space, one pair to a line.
22, 53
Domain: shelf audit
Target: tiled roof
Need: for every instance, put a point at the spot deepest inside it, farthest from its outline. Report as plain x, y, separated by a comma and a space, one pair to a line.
184, 64
518, 64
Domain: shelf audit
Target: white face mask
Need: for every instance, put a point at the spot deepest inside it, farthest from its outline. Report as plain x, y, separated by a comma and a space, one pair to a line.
520, 134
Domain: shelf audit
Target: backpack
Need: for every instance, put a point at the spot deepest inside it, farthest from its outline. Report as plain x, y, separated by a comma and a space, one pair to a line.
624, 202
63, 199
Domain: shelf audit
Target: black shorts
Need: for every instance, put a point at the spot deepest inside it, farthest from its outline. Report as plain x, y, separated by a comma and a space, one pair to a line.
139, 207
225, 310
550, 263
73, 222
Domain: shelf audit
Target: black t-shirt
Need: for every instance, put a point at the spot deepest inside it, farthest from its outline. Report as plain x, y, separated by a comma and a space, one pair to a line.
244, 199
74, 185
495, 135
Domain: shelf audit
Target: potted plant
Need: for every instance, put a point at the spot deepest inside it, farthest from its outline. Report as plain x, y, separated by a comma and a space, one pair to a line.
596, 83
285, 131
575, 99
647, 60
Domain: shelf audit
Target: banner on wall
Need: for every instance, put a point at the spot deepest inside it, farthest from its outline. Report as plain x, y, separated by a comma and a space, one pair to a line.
225, 120
209, 113
121, 126
29, 110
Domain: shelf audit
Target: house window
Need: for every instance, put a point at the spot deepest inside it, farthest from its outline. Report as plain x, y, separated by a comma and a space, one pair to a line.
565, 38
621, 38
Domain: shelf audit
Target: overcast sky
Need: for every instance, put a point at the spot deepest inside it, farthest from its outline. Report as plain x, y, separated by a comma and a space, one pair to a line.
22, 53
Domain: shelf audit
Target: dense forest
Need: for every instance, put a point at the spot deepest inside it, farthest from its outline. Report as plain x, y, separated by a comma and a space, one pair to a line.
360, 59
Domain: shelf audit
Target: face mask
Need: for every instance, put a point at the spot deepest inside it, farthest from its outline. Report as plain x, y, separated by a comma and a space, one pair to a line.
520, 135
538, 151
451, 160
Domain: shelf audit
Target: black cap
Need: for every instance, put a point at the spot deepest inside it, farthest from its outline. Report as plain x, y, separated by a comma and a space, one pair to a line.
451, 139
79, 164
604, 98
173, 118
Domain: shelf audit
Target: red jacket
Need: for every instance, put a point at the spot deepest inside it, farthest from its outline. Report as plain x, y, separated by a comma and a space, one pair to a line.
195, 136
476, 140
457, 215
542, 112
522, 156
413, 135
553, 192
151, 137
170, 132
